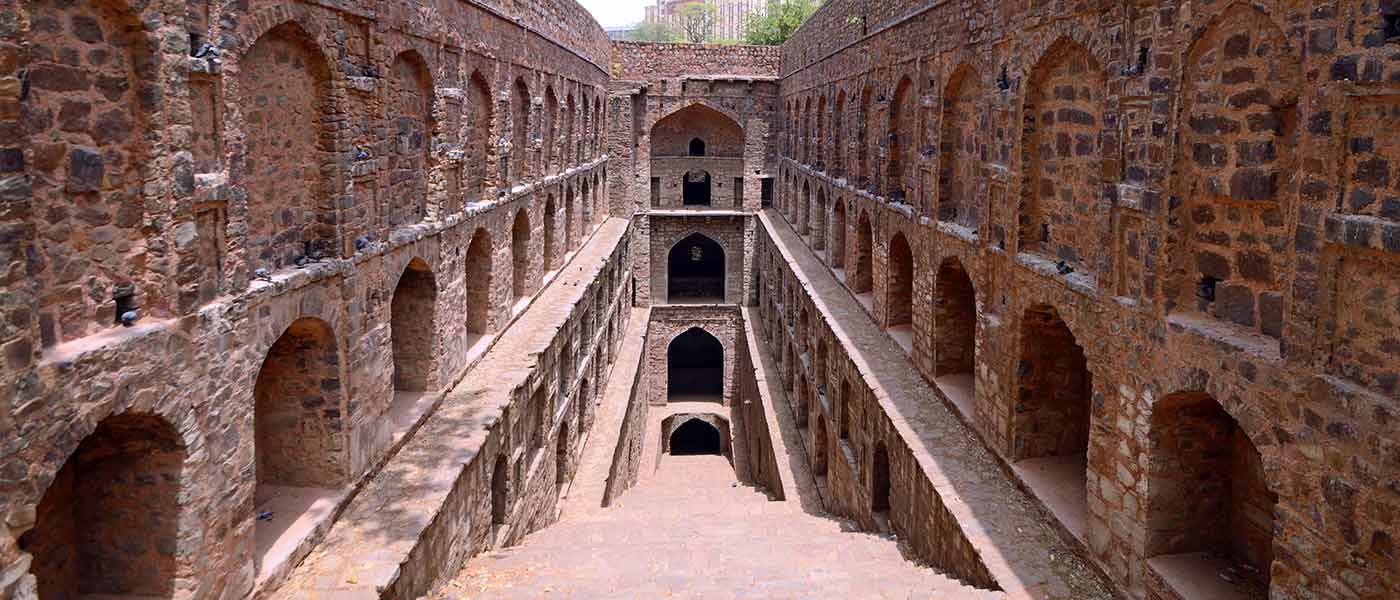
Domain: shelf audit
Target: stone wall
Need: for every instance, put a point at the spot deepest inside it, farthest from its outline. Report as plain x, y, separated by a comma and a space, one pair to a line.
276, 196
653, 62
1149, 183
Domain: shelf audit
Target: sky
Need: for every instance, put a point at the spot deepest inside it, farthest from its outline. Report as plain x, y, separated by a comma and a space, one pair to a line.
616, 13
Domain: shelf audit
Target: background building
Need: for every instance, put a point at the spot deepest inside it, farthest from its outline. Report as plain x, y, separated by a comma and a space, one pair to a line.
729, 25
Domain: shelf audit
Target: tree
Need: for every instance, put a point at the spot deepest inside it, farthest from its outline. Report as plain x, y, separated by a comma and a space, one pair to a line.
654, 31
697, 21
781, 20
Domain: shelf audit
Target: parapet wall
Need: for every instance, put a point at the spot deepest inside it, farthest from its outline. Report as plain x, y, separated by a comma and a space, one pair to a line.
654, 61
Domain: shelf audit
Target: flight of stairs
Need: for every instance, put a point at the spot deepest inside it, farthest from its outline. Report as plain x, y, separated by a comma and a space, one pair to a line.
694, 531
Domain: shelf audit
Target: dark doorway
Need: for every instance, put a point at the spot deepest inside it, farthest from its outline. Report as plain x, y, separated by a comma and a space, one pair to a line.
695, 437
880, 480
697, 147
695, 271
696, 189
695, 368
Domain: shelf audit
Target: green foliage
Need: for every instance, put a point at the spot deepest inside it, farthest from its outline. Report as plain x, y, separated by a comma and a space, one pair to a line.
782, 19
698, 21
651, 31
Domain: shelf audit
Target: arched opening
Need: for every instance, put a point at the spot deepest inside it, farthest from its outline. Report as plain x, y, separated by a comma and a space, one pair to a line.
819, 450
843, 429
551, 260
570, 226
901, 135
561, 454
863, 178
410, 114
695, 368
696, 188
520, 255
695, 271
299, 441
1050, 419
1207, 500
955, 334
520, 133
861, 279
838, 236
696, 151
821, 133
478, 283
479, 146
90, 244
958, 158
551, 108
567, 154
108, 523
500, 490
838, 134
285, 83
819, 222
411, 327
1063, 214
695, 437
899, 292
804, 220
880, 480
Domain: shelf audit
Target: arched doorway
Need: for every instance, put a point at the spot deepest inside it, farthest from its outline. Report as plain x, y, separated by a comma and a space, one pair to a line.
1207, 494
695, 271
899, 292
880, 480
955, 334
1051, 417
300, 447
520, 255
500, 491
695, 368
697, 147
861, 279
107, 524
838, 236
478, 284
695, 437
411, 327
551, 258
695, 188
819, 448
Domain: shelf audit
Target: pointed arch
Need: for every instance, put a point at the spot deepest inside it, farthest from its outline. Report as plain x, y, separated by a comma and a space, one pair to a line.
695, 270
861, 279
695, 367
838, 235
520, 132
899, 286
551, 111
480, 115
551, 222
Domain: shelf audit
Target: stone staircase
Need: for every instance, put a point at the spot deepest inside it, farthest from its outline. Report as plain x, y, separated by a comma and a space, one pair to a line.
694, 531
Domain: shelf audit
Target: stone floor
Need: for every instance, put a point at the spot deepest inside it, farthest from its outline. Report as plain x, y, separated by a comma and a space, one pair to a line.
693, 531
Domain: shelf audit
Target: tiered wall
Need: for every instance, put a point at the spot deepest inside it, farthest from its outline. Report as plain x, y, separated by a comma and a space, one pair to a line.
1159, 212
314, 220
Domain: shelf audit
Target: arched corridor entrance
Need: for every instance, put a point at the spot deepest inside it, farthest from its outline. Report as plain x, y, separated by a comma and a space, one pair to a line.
880, 480
520, 256
860, 280
899, 292
478, 284
695, 368
695, 271
107, 525
695, 437
696, 188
